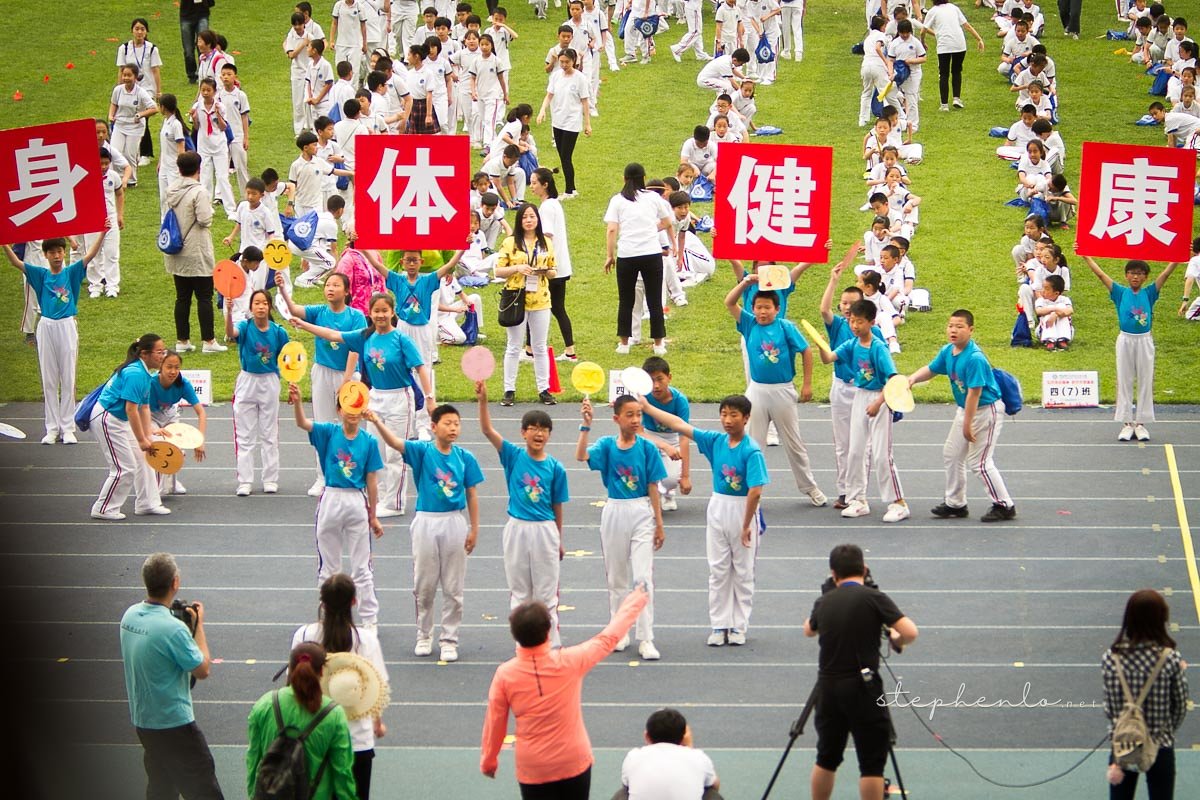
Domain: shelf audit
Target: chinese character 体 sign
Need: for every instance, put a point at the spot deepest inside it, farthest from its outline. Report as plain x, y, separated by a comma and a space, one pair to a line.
772, 202
1136, 202
412, 192
50, 182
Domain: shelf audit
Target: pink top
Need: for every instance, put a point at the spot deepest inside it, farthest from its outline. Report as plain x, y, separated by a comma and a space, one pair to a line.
543, 687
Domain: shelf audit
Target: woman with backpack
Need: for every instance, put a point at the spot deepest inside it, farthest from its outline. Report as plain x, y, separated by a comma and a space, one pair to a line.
337, 633
300, 710
1144, 665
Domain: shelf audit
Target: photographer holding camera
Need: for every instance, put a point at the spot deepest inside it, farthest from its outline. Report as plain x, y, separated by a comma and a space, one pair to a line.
849, 617
163, 647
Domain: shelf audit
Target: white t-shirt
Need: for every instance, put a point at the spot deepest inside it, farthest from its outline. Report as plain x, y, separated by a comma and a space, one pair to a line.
349, 20
1193, 268
168, 146
235, 104
210, 139
487, 72
308, 176
319, 74
1018, 47
554, 225
946, 21
727, 16
112, 182
875, 41
145, 58
699, 157
566, 103
495, 169
339, 93
902, 49
362, 731
719, 68
1061, 327
666, 771
420, 81
1182, 125
312, 32
638, 220
259, 225
346, 131
129, 105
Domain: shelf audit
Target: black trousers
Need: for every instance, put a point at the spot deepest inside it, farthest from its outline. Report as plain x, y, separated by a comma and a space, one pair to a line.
577, 788
189, 29
1069, 11
202, 289
146, 148
950, 67
1160, 779
651, 269
178, 762
848, 707
558, 307
564, 143
362, 773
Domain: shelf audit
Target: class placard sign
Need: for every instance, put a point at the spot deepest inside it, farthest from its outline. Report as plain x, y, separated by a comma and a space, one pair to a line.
1070, 389
202, 382
616, 386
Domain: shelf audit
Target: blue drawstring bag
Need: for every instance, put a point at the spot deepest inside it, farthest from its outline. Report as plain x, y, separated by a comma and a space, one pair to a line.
470, 326
1020, 335
1159, 87
763, 52
767, 130
418, 394
83, 411
998, 132
624, 22
1010, 391
858, 49
877, 105
1017, 202
1117, 36
228, 133
170, 237
702, 190
300, 231
902, 72
342, 182
335, 113
647, 26
704, 225
528, 162
1146, 120
1040, 207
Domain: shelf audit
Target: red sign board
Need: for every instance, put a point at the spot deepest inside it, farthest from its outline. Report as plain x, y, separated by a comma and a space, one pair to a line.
50, 182
1136, 202
772, 202
412, 192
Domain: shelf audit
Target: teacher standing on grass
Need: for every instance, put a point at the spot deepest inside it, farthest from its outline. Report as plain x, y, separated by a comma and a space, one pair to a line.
635, 217
567, 97
947, 24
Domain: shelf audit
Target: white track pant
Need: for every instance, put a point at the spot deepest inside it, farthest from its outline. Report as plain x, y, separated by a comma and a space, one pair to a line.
539, 330
767, 72
403, 28
449, 329
841, 404
439, 559
669, 484
467, 109
793, 30
958, 454
395, 410
165, 179
610, 51
301, 116
128, 142
58, 351
776, 402
104, 271
425, 338
694, 38
161, 419
627, 542
342, 526
911, 90
214, 176
352, 54
488, 114
874, 79
1135, 363
256, 422
871, 445
127, 469
730, 563
241, 169
531, 566
31, 310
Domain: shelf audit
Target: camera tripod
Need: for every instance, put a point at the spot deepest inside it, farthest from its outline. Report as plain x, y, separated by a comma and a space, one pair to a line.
798, 729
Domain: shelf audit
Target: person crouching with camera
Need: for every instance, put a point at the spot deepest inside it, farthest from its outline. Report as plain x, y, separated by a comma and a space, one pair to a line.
848, 619
163, 647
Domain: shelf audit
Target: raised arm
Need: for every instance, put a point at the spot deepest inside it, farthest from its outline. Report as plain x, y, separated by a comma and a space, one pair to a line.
12, 258
230, 330
667, 419
1164, 275
390, 439
585, 415
297, 404
94, 250
485, 417
735, 294
328, 334
1098, 272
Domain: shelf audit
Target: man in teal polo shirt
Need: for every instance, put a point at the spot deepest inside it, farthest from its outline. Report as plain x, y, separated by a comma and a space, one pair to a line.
160, 656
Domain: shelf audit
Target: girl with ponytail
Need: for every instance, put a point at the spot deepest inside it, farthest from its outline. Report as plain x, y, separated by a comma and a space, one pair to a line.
172, 143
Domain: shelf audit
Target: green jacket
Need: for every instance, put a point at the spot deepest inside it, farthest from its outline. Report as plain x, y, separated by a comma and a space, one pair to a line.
331, 736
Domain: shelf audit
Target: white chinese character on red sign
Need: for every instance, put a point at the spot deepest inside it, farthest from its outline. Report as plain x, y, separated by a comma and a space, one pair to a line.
771, 202
45, 173
1135, 200
422, 199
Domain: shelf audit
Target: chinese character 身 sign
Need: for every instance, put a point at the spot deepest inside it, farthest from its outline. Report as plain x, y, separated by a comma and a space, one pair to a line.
1136, 201
412, 192
50, 182
772, 202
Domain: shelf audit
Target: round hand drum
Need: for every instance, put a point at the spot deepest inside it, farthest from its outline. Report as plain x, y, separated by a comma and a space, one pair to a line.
587, 377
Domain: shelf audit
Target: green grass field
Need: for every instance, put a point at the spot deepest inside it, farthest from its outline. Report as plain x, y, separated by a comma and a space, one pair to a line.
961, 250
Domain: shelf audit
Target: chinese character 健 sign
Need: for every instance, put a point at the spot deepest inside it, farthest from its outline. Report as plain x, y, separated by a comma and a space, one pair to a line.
412, 192
1136, 201
50, 182
772, 202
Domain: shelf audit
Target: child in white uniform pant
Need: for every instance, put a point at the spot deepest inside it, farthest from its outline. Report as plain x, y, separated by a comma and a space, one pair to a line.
104, 272
209, 121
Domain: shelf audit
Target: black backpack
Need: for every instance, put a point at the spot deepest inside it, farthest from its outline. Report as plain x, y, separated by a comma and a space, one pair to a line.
283, 772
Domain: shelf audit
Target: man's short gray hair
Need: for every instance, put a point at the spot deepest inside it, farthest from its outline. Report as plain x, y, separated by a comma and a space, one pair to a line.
158, 573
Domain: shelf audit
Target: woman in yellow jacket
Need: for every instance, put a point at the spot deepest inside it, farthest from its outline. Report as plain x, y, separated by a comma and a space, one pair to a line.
527, 259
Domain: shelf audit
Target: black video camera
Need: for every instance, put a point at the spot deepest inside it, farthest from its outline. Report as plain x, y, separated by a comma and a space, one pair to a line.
187, 613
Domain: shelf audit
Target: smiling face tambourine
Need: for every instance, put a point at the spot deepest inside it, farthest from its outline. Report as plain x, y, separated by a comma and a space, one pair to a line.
277, 255
353, 397
229, 279
165, 458
293, 362
773, 277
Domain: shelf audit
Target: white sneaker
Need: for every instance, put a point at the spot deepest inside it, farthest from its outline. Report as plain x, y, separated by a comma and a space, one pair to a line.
648, 651
676, 56
1126, 434
818, 498
69, 438
424, 647
958, 103
567, 357
108, 516
448, 653
622, 643
184, 347
944, 107
896, 512
736, 637
660, 349
243, 490
525, 356
622, 350
857, 508
159, 511
383, 512
270, 488
1139, 432
144, 161
178, 488
316, 489
214, 347
893, 347
716, 638
772, 436
50, 438
669, 503
865, 207
680, 301
94, 294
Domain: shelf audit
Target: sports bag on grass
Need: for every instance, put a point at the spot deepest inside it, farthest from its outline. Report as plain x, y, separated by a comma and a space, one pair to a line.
83, 411
1133, 746
647, 26
283, 772
702, 190
512, 307
1010, 387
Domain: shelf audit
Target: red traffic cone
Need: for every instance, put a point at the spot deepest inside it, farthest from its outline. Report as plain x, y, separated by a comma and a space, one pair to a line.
555, 386
17, 96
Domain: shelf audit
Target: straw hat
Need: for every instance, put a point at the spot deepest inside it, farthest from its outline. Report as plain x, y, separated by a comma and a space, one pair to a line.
353, 683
